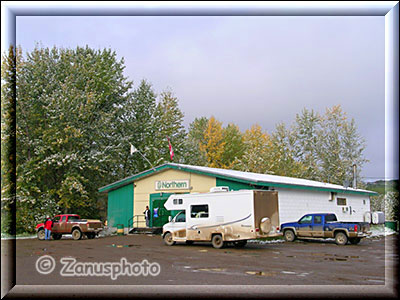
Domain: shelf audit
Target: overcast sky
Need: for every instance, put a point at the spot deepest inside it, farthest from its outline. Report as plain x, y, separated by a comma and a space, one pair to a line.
244, 70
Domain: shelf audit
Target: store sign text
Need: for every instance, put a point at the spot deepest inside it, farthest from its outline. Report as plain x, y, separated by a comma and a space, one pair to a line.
172, 185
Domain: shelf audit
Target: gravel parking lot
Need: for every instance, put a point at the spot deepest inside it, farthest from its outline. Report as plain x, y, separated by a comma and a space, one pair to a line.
275, 263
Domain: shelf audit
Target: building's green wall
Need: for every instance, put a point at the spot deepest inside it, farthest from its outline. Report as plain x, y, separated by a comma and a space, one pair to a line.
120, 206
233, 185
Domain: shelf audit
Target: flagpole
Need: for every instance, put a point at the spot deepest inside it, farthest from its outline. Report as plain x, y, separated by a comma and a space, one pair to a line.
134, 149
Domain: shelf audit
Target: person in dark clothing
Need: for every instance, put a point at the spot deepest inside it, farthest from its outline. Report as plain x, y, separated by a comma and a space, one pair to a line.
147, 216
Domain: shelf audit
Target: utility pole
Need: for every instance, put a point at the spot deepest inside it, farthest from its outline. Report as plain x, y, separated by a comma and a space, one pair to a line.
354, 176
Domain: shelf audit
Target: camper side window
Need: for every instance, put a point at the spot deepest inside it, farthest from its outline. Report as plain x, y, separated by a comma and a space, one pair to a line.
178, 201
199, 211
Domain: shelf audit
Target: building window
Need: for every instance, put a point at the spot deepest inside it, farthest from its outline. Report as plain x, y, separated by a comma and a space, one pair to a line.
199, 211
364, 202
341, 201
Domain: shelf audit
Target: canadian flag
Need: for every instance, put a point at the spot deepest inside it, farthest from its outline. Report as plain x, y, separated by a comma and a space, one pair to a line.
171, 151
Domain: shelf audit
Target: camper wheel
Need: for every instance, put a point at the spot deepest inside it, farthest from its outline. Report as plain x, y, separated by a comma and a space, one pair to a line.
217, 241
168, 239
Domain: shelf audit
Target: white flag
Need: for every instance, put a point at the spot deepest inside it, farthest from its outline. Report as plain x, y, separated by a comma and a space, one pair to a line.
133, 149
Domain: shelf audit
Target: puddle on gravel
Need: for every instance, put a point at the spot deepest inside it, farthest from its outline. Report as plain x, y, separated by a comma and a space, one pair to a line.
261, 273
203, 250
303, 274
120, 246
335, 257
211, 270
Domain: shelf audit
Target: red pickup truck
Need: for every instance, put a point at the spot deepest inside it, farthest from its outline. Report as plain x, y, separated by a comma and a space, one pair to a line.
71, 224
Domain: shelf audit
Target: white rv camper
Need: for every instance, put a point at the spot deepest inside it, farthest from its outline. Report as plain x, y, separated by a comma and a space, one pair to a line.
222, 216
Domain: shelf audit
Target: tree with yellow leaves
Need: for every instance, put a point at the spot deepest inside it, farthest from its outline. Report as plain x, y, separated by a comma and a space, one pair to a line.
213, 144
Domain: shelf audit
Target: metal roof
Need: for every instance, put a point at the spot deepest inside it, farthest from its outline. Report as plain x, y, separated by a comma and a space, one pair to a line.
240, 176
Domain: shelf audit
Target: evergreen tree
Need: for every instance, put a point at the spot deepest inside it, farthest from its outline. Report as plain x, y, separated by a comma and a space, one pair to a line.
306, 128
195, 138
137, 126
257, 148
234, 145
169, 119
339, 147
283, 153
353, 146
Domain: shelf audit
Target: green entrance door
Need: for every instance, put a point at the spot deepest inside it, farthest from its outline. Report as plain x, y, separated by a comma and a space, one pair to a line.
158, 213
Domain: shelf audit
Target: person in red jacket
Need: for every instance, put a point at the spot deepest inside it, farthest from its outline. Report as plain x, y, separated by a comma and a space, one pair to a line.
47, 228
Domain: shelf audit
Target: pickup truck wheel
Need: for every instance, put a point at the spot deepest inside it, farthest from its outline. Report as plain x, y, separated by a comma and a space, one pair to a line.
57, 236
76, 234
289, 235
341, 238
168, 239
41, 234
217, 241
240, 244
354, 241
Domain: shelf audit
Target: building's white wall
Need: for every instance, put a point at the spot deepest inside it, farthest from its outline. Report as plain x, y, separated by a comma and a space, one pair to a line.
294, 203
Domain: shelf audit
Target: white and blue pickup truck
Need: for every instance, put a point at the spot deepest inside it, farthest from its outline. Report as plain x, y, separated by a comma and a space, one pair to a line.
325, 225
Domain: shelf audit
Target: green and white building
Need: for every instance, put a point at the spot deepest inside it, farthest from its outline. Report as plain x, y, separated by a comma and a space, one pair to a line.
128, 198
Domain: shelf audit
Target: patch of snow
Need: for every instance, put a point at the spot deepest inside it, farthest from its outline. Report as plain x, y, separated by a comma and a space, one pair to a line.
380, 231
265, 242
